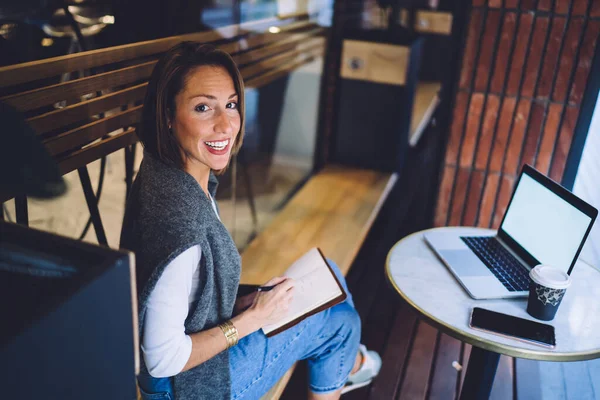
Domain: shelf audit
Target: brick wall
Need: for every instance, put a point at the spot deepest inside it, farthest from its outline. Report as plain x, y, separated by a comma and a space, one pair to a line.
523, 75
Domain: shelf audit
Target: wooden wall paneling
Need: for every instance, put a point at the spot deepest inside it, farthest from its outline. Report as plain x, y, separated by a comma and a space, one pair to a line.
586, 54
567, 59
464, 361
473, 198
445, 375
472, 47
396, 355
502, 134
44, 96
535, 55
517, 135
487, 202
95, 130
416, 378
524, 34
445, 193
544, 154
505, 51
485, 65
563, 144
78, 112
549, 66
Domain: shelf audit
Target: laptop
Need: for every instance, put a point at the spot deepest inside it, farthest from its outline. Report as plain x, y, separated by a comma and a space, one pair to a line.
544, 223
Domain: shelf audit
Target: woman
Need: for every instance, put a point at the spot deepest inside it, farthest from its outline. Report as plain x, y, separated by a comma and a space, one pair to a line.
198, 341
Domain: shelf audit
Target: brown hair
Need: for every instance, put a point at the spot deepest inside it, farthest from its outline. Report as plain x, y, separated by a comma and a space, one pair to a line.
167, 80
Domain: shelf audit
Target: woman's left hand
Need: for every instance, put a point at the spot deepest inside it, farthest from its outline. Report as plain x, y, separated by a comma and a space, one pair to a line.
243, 302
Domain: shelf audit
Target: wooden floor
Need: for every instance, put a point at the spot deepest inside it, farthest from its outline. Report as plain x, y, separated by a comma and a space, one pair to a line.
419, 362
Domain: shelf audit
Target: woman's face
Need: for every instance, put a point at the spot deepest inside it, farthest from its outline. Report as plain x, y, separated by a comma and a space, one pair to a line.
207, 120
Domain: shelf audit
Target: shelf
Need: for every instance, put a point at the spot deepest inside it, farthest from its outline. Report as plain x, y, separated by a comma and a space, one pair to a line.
426, 101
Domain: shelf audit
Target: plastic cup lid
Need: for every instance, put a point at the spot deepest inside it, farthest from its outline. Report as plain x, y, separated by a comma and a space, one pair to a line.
550, 276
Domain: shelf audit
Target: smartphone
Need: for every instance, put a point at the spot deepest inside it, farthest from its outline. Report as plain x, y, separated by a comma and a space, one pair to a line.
513, 327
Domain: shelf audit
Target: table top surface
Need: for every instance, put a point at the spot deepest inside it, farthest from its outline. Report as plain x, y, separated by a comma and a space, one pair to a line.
429, 287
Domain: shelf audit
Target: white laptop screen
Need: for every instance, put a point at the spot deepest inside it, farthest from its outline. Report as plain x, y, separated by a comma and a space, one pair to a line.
544, 224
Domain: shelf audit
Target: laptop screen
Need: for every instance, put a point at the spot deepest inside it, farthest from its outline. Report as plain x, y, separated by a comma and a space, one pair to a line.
544, 224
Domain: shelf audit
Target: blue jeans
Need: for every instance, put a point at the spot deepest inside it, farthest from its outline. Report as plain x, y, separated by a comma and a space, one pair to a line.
329, 341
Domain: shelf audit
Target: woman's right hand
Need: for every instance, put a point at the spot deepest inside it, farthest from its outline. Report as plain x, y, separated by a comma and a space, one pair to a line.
270, 307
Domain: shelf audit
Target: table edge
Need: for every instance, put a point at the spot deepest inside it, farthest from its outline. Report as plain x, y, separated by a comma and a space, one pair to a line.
474, 340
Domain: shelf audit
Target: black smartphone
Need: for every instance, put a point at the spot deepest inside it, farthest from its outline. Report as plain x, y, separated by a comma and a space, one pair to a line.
513, 327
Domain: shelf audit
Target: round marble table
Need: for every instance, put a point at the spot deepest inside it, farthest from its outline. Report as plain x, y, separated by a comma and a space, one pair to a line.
426, 284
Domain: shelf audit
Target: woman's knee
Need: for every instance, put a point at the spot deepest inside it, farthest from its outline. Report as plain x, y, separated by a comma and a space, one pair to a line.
347, 319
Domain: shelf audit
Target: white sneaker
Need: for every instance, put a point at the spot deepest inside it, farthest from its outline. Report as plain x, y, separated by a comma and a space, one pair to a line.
369, 368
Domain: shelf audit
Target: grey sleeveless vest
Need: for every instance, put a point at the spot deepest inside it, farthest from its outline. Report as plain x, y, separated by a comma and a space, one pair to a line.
167, 213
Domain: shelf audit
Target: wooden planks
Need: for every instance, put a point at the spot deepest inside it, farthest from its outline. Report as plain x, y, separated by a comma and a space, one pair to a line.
375, 62
425, 103
520, 90
333, 211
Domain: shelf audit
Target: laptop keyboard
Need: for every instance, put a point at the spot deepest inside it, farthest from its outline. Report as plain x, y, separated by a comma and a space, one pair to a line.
499, 261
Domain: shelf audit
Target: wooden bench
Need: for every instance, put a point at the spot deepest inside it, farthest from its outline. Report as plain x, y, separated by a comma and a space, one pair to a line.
333, 210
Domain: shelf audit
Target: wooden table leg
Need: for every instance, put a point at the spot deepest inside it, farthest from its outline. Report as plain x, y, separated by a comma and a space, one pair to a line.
480, 374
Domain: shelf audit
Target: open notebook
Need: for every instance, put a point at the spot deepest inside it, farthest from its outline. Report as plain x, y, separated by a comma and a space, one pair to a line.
317, 288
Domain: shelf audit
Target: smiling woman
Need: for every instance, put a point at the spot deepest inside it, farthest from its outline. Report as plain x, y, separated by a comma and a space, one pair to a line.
198, 339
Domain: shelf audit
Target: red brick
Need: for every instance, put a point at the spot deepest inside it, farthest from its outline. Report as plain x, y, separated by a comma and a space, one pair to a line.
562, 6
534, 132
551, 58
545, 5
511, 4
478, 3
595, 11
458, 199
487, 132
458, 123
520, 54
528, 4
563, 145
502, 58
443, 202
501, 139
471, 48
472, 131
495, 3
584, 64
473, 198
489, 198
580, 7
516, 138
567, 60
534, 58
486, 52
506, 188
544, 156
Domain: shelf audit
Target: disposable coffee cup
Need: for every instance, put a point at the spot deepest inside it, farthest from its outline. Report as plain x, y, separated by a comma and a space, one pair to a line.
546, 290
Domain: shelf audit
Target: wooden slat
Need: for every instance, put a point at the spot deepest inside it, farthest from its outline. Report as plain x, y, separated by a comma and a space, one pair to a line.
289, 41
416, 378
41, 97
96, 151
303, 53
326, 212
283, 70
88, 133
377, 62
25, 72
80, 111
425, 103
445, 374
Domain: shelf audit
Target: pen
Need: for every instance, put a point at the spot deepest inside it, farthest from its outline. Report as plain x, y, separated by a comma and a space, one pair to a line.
265, 288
